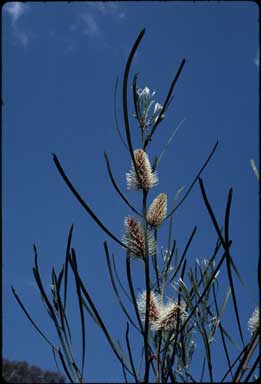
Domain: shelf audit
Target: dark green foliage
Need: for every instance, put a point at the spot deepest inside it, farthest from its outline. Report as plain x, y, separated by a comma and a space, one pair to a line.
21, 372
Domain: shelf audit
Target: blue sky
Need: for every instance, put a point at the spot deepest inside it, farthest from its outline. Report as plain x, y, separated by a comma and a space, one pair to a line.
60, 63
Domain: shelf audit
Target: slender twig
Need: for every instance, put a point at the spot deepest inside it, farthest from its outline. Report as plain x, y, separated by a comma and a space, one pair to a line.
253, 368
172, 360
155, 261
65, 367
243, 366
244, 352
132, 293
147, 278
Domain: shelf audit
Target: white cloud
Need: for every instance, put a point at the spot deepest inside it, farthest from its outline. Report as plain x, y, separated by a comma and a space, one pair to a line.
107, 8
15, 10
256, 59
90, 27
89, 21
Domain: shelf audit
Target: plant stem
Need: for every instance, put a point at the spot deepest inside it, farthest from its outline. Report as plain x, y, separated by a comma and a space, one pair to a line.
147, 278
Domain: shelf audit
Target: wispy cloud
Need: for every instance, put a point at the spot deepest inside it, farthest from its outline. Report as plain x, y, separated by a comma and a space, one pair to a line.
90, 26
107, 8
16, 10
256, 59
91, 19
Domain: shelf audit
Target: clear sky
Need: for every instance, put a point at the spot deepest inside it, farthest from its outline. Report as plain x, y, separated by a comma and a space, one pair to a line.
59, 66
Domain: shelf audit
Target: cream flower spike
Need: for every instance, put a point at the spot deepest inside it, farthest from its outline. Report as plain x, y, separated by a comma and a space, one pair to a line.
146, 178
168, 317
157, 211
155, 307
134, 238
254, 321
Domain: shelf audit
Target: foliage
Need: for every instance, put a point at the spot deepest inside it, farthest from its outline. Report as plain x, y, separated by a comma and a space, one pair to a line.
21, 372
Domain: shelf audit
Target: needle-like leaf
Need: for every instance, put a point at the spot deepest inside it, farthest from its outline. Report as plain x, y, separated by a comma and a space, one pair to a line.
125, 99
96, 313
115, 287
115, 114
194, 181
78, 290
183, 255
82, 202
149, 137
31, 320
116, 186
67, 254
130, 354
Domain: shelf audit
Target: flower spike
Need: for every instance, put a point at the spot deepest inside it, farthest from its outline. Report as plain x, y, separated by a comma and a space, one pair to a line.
157, 211
134, 238
146, 178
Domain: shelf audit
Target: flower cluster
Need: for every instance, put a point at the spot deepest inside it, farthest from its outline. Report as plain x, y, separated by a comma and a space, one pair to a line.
146, 178
135, 240
154, 306
157, 211
254, 321
161, 317
144, 103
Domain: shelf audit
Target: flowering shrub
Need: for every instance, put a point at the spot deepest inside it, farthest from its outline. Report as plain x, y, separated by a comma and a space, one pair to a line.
170, 327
